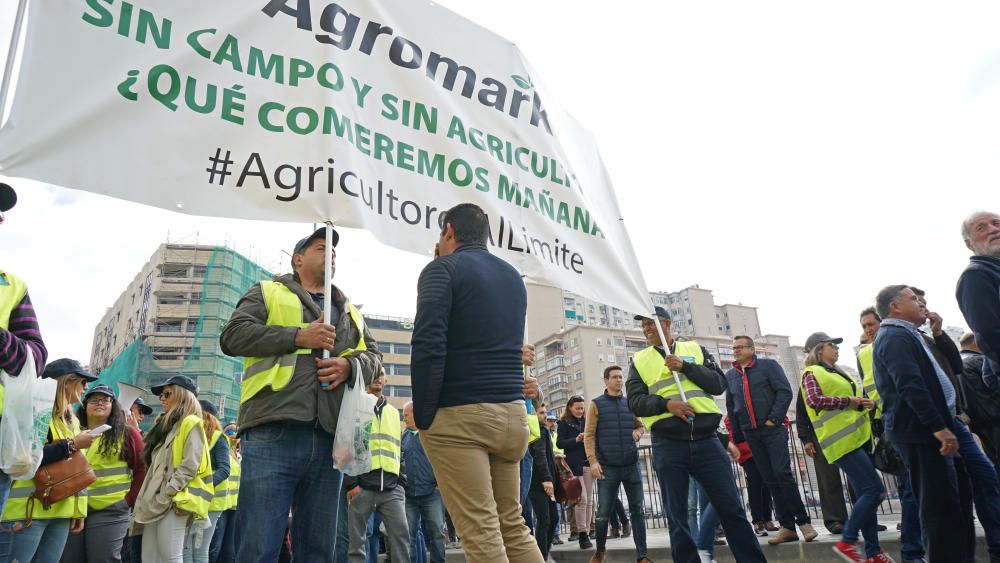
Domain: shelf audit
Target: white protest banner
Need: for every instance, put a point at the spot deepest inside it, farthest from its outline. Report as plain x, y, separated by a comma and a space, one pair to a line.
374, 115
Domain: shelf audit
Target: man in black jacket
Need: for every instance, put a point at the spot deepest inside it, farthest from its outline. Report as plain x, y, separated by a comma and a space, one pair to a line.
982, 403
683, 435
758, 396
468, 386
978, 290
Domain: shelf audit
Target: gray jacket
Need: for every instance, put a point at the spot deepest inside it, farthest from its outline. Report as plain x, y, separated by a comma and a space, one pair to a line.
302, 400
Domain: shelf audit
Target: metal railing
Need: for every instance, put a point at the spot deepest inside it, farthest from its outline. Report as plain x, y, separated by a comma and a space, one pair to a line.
803, 470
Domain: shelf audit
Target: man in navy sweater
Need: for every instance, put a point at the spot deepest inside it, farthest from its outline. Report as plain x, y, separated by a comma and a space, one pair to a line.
468, 386
979, 290
758, 395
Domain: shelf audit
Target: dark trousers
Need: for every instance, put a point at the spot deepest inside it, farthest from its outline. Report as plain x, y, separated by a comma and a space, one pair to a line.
985, 486
223, 548
760, 495
990, 437
618, 514
831, 490
607, 495
769, 446
944, 517
545, 517
676, 462
910, 535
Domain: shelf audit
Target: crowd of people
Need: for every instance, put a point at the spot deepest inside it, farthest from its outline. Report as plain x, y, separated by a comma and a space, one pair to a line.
477, 449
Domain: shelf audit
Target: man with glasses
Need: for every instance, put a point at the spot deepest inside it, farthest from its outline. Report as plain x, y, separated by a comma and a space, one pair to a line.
19, 335
684, 438
757, 399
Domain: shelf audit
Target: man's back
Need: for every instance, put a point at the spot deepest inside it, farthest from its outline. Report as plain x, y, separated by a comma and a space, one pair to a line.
468, 332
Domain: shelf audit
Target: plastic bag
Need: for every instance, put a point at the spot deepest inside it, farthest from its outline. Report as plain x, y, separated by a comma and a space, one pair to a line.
27, 409
351, 453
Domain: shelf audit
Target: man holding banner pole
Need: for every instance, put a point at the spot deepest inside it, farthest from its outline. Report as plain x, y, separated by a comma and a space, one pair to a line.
294, 367
670, 386
468, 387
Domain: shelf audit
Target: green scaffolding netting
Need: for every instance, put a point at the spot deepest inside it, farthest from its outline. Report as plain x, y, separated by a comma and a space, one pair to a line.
228, 275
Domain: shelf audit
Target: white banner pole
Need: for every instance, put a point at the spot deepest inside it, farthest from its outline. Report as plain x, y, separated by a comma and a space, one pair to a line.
328, 282
8, 71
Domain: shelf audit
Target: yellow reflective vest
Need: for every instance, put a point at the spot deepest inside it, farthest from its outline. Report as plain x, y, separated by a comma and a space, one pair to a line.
556, 450
660, 380
285, 309
234, 481
22, 506
114, 478
839, 432
197, 495
220, 495
866, 362
12, 291
385, 436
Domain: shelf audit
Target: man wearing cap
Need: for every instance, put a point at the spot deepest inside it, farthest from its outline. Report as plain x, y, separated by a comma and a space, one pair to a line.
289, 402
19, 333
683, 435
139, 411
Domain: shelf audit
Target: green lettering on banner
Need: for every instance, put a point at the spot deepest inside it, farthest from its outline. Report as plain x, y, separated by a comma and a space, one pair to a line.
147, 26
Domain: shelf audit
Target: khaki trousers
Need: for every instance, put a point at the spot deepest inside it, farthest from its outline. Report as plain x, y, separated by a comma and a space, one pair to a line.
476, 453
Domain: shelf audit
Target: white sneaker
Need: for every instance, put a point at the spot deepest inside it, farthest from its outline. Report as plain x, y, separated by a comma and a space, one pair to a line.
705, 556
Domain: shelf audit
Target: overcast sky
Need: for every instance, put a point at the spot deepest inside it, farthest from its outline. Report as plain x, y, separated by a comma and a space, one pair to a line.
791, 156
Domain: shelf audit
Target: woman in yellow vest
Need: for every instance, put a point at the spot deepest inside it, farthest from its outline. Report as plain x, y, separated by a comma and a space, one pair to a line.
838, 411
116, 458
29, 532
178, 487
199, 540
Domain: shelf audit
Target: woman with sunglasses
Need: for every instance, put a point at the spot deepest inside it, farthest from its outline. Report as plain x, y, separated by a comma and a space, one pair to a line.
178, 485
570, 440
117, 462
29, 532
839, 414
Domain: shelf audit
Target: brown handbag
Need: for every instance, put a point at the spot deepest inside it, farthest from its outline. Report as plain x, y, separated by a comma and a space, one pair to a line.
570, 486
60, 480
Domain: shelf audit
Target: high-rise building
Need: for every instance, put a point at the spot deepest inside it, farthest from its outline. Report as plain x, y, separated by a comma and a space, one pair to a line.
393, 336
168, 321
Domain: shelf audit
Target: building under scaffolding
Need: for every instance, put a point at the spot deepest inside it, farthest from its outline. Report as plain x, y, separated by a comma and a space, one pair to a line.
168, 321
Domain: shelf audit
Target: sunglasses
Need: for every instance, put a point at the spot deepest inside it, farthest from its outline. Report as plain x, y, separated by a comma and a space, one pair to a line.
99, 401
166, 394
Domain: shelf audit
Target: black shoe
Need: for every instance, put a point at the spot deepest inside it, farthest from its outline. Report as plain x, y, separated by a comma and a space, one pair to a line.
882, 528
836, 528
585, 541
574, 536
557, 541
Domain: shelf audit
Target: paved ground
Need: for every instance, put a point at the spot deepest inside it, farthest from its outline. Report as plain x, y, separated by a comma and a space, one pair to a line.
818, 551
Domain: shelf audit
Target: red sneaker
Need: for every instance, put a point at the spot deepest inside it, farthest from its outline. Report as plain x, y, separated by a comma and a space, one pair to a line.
848, 552
882, 557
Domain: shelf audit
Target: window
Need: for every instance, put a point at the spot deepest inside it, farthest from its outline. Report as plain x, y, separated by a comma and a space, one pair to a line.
169, 325
171, 298
399, 390
198, 271
575, 359
401, 348
619, 341
175, 270
598, 341
578, 376
192, 325
397, 369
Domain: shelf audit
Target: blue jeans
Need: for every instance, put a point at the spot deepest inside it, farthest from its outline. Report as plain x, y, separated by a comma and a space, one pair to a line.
697, 503
868, 487
343, 530
706, 532
373, 538
526, 464
985, 486
223, 548
676, 462
43, 542
910, 535
426, 513
286, 465
4, 489
607, 496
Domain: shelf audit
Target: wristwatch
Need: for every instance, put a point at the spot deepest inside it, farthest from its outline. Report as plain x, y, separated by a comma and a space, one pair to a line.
72, 446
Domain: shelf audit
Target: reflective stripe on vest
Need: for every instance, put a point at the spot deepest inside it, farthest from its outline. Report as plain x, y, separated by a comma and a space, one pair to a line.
867, 364
11, 294
114, 478
839, 432
220, 496
385, 436
660, 381
18, 502
197, 495
285, 309
234, 481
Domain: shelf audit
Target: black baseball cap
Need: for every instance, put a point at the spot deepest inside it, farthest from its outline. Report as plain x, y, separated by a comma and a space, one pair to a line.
818, 338
8, 197
143, 407
319, 234
207, 406
660, 312
66, 366
101, 389
178, 380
